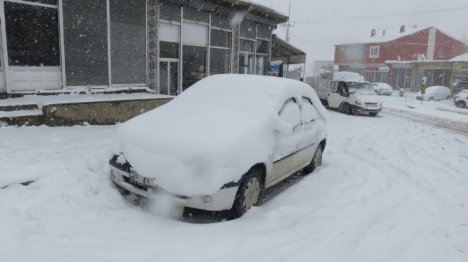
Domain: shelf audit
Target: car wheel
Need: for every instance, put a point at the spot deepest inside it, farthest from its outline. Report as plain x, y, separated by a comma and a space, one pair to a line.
373, 114
431, 99
461, 104
248, 193
346, 108
315, 162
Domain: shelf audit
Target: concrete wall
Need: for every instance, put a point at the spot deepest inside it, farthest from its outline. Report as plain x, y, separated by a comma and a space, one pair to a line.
98, 113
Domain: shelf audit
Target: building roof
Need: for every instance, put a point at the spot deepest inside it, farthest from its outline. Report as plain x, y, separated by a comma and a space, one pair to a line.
388, 37
287, 53
257, 9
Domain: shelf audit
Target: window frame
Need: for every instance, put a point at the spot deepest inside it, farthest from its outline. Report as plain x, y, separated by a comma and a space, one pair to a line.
374, 51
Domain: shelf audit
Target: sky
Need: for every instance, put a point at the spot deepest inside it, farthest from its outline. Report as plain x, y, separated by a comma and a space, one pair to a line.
320, 24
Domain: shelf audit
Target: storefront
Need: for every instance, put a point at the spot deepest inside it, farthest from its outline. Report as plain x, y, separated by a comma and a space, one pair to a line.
165, 46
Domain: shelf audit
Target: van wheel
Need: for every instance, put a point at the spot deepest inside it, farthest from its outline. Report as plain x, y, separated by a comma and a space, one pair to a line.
461, 104
346, 108
315, 162
248, 193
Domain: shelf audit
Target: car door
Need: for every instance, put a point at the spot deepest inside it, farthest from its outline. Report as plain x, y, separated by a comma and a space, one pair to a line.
312, 125
287, 142
334, 97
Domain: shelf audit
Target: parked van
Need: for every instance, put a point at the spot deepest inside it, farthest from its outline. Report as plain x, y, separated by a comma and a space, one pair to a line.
349, 93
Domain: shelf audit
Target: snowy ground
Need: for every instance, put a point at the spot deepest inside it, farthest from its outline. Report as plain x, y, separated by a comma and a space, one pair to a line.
390, 189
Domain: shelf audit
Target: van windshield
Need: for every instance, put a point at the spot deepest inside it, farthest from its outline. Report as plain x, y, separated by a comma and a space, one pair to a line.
361, 88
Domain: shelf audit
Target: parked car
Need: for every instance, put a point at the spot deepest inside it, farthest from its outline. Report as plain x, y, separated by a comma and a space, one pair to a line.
435, 93
461, 99
220, 143
382, 89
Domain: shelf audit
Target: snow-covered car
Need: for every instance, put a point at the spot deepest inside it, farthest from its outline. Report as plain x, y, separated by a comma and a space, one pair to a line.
435, 93
220, 143
382, 89
461, 99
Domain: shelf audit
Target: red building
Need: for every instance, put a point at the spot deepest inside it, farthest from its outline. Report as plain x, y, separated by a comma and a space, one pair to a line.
368, 56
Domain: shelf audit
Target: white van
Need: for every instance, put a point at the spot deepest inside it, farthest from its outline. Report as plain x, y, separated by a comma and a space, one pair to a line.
349, 93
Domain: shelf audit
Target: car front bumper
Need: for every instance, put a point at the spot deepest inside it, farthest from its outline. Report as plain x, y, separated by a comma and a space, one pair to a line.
366, 110
219, 201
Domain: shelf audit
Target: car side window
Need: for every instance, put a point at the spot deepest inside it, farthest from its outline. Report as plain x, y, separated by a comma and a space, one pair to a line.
309, 113
334, 87
291, 113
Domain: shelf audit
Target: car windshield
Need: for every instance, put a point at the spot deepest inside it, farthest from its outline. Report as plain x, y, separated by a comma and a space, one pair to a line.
361, 88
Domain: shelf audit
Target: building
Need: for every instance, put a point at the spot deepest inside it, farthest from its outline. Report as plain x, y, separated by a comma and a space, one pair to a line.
369, 56
162, 45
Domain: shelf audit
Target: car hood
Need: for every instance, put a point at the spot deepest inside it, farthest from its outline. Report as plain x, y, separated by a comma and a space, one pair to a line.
368, 98
195, 152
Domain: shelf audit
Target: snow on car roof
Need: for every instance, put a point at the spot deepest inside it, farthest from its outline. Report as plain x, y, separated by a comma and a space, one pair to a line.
212, 133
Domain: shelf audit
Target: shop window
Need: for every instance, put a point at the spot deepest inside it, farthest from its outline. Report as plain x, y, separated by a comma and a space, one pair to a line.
85, 29
32, 35
128, 41
221, 21
194, 65
221, 38
170, 12
261, 65
220, 62
246, 45
262, 46
195, 34
248, 29
246, 63
168, 50
263, 31
196, 15
169, 32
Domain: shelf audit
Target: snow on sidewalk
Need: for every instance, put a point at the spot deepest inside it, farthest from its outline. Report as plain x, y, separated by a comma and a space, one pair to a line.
389, 190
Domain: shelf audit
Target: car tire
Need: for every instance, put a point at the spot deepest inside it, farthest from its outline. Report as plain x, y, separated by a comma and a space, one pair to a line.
315, 162
346, 109
248, 194
373, 114
461, 104
431, 99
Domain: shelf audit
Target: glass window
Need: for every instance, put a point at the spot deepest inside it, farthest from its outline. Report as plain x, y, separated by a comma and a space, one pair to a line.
220, 62
246, 63
169, 32
290, 113
261, 65
170, 12
194, 14
85, 28
221, 38
221, 21
32, 35
168, 50
263, 31
262, 46
194, 65
195, 34
128, 41
246, 45
163, 78
248, 29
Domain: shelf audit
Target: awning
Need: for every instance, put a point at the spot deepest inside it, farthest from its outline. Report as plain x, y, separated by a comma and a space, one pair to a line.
285, 52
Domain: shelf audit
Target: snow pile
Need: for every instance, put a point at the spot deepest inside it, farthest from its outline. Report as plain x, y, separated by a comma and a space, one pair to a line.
460, 58
211, 134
